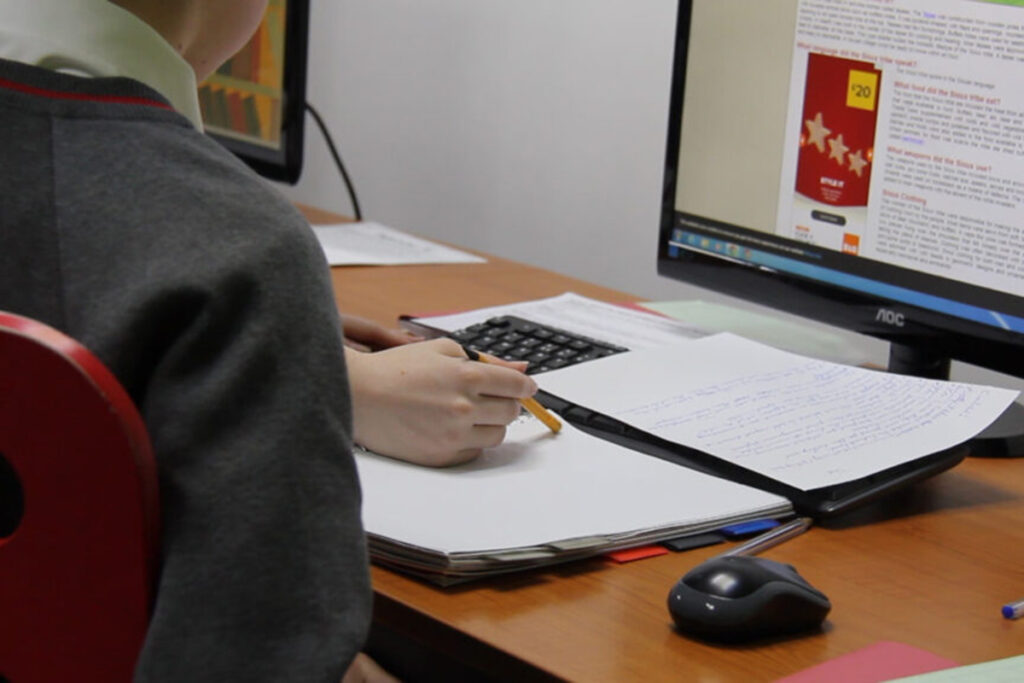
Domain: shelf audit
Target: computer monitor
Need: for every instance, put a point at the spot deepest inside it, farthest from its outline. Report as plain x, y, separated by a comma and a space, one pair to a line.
858, 162
255, 103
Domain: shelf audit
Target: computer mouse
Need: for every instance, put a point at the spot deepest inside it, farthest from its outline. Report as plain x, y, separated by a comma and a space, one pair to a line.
739, 598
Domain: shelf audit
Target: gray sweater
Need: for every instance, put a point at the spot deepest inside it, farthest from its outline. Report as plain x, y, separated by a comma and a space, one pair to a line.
208, 297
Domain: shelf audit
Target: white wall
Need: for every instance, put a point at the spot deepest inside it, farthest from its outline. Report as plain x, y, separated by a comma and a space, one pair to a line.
532, 129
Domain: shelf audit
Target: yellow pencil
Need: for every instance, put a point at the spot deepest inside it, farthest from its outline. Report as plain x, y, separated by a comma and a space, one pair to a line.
531, 404
541, 413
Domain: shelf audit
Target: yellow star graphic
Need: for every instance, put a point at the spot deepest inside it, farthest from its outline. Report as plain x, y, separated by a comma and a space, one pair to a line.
838, 149
817, 132
857, 163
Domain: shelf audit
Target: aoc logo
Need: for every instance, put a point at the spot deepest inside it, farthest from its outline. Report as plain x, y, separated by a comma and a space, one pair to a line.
888, 317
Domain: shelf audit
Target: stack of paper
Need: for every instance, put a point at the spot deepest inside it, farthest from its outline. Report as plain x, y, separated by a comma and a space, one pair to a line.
539, 499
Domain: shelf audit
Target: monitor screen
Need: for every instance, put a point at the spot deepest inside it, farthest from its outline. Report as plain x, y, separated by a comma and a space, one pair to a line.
255, 102
859, 162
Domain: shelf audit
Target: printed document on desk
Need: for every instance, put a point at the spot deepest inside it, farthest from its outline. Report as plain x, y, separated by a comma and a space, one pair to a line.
627, 327
373, 244
538, 499
804, 422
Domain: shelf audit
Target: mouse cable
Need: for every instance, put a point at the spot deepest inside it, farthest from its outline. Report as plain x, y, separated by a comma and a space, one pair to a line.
337, 161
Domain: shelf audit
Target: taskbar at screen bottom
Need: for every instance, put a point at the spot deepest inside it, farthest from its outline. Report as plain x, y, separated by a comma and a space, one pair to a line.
688, 240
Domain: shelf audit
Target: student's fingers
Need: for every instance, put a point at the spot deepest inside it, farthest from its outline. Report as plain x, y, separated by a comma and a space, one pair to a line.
445, 346
496, 411
373, 335
503, 382
358, 346
449, 347
462, 456
474, 442
517, 365
478, 438
485, 436
446, 459
388, 337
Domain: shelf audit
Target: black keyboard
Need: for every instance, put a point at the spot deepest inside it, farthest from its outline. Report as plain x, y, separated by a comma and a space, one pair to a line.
545, 347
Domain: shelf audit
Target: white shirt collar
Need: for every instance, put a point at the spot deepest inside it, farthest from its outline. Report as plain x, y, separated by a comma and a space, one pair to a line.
96, 38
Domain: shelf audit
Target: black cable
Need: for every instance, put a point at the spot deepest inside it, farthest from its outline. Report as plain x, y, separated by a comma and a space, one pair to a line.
337, 161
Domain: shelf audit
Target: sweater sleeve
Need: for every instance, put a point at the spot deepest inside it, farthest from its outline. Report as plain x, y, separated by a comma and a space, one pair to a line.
263, 571
218, 316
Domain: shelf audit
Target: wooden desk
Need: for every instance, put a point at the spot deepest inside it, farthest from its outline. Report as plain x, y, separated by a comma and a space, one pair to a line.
929, 567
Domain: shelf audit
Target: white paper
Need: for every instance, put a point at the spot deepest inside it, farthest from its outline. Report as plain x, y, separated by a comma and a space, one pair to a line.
806, 422
540, 488
373, 244
626, 327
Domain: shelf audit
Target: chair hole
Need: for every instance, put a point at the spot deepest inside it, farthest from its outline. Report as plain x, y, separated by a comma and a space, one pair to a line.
12, 501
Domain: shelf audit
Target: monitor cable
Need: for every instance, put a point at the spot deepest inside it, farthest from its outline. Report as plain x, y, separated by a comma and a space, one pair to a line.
337, 161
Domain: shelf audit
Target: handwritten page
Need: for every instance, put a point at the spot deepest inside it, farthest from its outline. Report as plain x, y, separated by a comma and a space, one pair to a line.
373, 244
540, 489
626, 327
806, 422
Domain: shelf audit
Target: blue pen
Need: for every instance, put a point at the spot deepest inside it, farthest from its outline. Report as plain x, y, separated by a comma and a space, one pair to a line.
1014, 610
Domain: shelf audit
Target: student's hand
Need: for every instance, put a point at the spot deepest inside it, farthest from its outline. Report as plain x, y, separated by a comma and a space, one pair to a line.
365, 670
363, 334
428, 404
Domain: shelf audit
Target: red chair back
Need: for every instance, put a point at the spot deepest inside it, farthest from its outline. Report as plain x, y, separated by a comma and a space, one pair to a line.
79, 513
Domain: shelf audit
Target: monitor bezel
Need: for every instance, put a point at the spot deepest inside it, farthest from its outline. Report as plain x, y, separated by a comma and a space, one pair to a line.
931, 333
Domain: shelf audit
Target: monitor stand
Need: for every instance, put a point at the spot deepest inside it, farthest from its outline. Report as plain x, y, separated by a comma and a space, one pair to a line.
1004, 438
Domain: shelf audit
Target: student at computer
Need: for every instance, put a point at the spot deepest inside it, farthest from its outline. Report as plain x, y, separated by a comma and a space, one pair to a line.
208, 297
